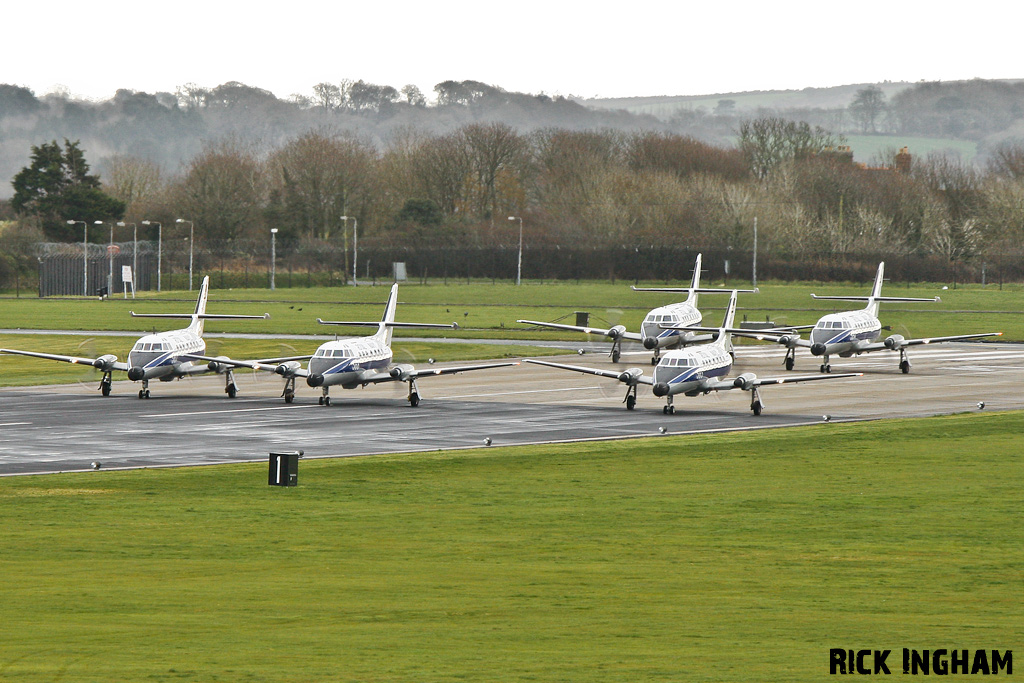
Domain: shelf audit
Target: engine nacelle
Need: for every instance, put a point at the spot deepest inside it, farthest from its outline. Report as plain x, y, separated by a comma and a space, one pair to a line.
616, 332
402, 372
288, 369
219, 368
745, 381
105, 363
630, 375
894, 341
818, 349
789, 340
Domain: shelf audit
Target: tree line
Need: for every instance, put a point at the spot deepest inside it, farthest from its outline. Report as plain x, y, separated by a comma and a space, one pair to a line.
595, 188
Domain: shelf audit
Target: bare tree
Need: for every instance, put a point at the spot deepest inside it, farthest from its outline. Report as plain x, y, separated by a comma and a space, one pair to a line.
867, 105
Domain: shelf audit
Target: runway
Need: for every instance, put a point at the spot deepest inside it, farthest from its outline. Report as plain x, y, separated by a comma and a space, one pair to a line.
191, 422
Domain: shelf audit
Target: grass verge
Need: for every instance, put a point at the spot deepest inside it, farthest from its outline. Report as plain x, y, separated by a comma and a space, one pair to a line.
740, 557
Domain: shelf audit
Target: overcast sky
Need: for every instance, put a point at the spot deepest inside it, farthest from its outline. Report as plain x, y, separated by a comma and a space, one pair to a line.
588, 49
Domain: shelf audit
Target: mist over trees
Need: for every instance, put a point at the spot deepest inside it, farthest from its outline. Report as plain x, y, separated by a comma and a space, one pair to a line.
236, 161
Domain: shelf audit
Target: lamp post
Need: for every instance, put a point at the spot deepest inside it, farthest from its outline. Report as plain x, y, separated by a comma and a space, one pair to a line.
135, 252
85, 256
355, 247
191, 243
519, 265
110, 258
159, 248
273, 256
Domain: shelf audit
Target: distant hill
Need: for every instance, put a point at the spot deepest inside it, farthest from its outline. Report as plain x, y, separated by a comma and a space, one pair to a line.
665, 107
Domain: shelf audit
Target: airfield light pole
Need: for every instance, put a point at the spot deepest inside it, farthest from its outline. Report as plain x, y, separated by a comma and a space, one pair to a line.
355, 247
273, 256
135, 252
755, 253
159, 248
85, 256
519, 265
191, 243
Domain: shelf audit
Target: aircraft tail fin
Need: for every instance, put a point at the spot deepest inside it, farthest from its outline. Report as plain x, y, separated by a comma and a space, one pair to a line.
876, 290
384, 330
198, 316
695, 281
724, 335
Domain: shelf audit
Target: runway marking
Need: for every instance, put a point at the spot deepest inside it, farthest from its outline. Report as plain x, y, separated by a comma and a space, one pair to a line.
13, 424
527, 391
226, 411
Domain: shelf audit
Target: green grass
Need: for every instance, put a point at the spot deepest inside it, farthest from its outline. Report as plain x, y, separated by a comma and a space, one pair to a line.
736, 557
490, 311
25, 371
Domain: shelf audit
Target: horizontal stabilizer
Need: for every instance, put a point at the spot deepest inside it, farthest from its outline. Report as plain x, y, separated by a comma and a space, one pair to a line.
880, 299
354, 323
201, 316
698, 290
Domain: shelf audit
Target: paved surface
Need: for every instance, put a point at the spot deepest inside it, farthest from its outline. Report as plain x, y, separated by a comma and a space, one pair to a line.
67, 428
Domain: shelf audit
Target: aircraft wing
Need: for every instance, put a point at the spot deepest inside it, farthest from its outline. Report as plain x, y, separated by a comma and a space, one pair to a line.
748, 382
896, 344
404, 373
613, 333
102, 363
627, 376
787, 336
266, 365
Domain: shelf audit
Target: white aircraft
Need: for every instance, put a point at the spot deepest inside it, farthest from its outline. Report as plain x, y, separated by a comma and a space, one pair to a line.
849, 333
164, 355
694, 371
654, 337
353, 362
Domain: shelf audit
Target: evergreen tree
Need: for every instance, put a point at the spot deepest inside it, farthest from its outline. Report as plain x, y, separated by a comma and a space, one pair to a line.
57, 187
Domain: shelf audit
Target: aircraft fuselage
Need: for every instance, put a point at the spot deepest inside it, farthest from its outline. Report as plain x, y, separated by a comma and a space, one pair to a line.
842, 333
680, 314
345, 362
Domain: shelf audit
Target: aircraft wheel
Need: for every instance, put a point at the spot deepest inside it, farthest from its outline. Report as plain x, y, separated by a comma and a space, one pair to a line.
232, 391
905, 367
414, 399
615, 355
671, 410
757, 407
288, 398
105, 389
327, 400
630, 402
654, 361
142, 393
321, 400
789, 363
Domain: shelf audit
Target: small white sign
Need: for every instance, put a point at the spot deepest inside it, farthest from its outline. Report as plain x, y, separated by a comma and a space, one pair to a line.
126, 274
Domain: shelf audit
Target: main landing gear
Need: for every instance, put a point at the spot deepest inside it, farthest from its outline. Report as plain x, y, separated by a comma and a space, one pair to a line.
669, 409
144, 391
904, 362
325, 399
790, 358
289, 390
414, 394
825, 367
229, 384
755, 401
630, 399
105, 384
616, 351
656, 357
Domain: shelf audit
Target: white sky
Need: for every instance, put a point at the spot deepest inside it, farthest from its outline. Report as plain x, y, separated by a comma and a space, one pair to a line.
557, 47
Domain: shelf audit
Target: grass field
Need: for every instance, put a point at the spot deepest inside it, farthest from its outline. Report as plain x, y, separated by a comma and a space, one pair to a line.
737, 557
483, 310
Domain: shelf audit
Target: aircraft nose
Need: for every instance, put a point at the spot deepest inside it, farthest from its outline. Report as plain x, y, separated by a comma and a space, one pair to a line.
660, 389
315, 380
136, 373
818, 349
650, 343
